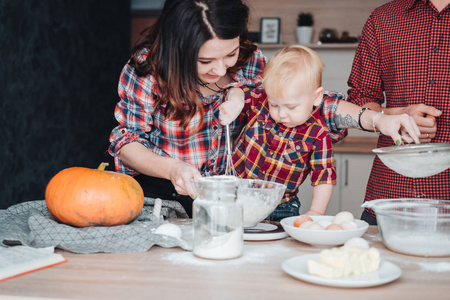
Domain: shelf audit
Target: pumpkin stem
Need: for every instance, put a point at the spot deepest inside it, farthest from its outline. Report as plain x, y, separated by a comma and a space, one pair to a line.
102, 166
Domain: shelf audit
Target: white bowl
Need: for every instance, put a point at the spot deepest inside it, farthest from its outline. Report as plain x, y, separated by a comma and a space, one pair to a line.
259, 198
416, 160
322, 237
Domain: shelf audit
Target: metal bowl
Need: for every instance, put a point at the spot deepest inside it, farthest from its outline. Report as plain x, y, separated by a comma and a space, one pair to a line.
416, 160
412, 226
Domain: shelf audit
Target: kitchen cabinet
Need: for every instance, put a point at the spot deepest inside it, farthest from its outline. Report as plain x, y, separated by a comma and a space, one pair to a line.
353, 172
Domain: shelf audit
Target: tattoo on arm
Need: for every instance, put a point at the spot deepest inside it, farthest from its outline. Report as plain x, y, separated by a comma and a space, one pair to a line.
346, 122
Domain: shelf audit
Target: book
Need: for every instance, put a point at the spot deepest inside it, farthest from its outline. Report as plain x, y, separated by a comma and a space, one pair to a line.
20, 260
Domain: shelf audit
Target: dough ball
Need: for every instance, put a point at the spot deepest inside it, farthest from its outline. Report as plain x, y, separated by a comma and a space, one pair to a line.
315, 226
169, 229
306, 224
334, 227
324, 223
357, 242
342, 217
346, 225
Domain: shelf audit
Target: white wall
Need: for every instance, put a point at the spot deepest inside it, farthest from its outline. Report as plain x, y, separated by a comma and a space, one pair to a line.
341, 15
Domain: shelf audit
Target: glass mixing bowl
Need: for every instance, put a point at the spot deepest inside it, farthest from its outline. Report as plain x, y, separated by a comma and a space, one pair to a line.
411, 226
259, 198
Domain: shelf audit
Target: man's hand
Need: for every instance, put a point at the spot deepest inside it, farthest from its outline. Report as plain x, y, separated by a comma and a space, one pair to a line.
425, 118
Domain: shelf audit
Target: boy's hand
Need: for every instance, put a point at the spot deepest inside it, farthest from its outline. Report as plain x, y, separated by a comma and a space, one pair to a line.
232, 107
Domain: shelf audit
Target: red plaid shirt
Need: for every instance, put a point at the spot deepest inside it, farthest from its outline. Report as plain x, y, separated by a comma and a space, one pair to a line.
143, 122
405, 52
270, 151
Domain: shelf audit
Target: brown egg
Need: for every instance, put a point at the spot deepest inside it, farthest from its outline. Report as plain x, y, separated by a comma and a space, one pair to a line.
315, 226
306, 224
342, 217
301, 219
349, 225
334, 227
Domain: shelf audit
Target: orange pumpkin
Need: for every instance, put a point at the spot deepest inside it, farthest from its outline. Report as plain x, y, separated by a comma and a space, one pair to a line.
93, 197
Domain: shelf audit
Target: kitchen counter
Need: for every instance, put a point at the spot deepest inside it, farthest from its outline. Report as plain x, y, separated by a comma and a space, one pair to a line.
354, 144
172, 273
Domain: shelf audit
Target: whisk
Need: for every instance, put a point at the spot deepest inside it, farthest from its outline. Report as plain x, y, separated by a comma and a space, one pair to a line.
229, 170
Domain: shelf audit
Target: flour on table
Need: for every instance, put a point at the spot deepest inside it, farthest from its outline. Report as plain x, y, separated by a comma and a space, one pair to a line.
253, 254
424, 265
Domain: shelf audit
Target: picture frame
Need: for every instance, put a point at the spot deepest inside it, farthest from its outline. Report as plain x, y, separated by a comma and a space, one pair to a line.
270, 31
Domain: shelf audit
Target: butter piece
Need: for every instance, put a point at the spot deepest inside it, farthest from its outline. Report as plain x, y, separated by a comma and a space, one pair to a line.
344, 261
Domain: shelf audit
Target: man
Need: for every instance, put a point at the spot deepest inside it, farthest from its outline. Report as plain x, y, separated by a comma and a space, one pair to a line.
404, 54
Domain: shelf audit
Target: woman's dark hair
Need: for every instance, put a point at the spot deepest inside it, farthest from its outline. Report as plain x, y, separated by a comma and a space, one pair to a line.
174, 42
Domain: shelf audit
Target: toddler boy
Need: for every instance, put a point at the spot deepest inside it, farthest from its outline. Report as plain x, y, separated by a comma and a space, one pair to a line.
285, 138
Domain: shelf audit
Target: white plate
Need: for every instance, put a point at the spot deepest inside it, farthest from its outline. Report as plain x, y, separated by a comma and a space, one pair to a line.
322, 237
298, 268
264, 232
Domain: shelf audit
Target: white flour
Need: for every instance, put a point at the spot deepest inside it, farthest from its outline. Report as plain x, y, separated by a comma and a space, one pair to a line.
427, 245
224, 246
252, 254
435, 267
255, 211
426, 265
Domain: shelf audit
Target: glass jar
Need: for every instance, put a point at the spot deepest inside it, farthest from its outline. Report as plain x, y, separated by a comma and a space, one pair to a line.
217, 218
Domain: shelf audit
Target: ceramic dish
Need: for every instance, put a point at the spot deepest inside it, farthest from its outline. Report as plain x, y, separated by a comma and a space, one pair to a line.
298, 268
323, 237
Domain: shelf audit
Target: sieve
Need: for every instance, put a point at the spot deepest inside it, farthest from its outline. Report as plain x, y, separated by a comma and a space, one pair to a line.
416, 160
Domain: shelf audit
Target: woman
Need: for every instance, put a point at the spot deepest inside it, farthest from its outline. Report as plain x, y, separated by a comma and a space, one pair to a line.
169, 129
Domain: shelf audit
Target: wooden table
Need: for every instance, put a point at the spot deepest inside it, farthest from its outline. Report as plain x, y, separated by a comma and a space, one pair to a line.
172, 273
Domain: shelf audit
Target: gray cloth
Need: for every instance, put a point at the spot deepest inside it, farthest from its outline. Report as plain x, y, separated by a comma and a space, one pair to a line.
31, 224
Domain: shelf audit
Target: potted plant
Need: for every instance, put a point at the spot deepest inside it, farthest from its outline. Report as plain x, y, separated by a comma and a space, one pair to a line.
304, 28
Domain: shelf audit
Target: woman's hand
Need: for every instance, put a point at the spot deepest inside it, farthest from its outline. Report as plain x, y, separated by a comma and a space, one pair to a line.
399, 127
232, 107
137, 157
181, 175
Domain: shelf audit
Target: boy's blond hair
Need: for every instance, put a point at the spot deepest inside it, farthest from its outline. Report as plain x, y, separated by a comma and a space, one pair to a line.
297, 63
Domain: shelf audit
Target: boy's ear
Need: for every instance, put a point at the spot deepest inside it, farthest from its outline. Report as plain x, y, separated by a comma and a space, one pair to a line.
318, 96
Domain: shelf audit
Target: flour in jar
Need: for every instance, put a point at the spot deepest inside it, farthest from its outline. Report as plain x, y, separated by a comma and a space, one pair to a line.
225, 246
